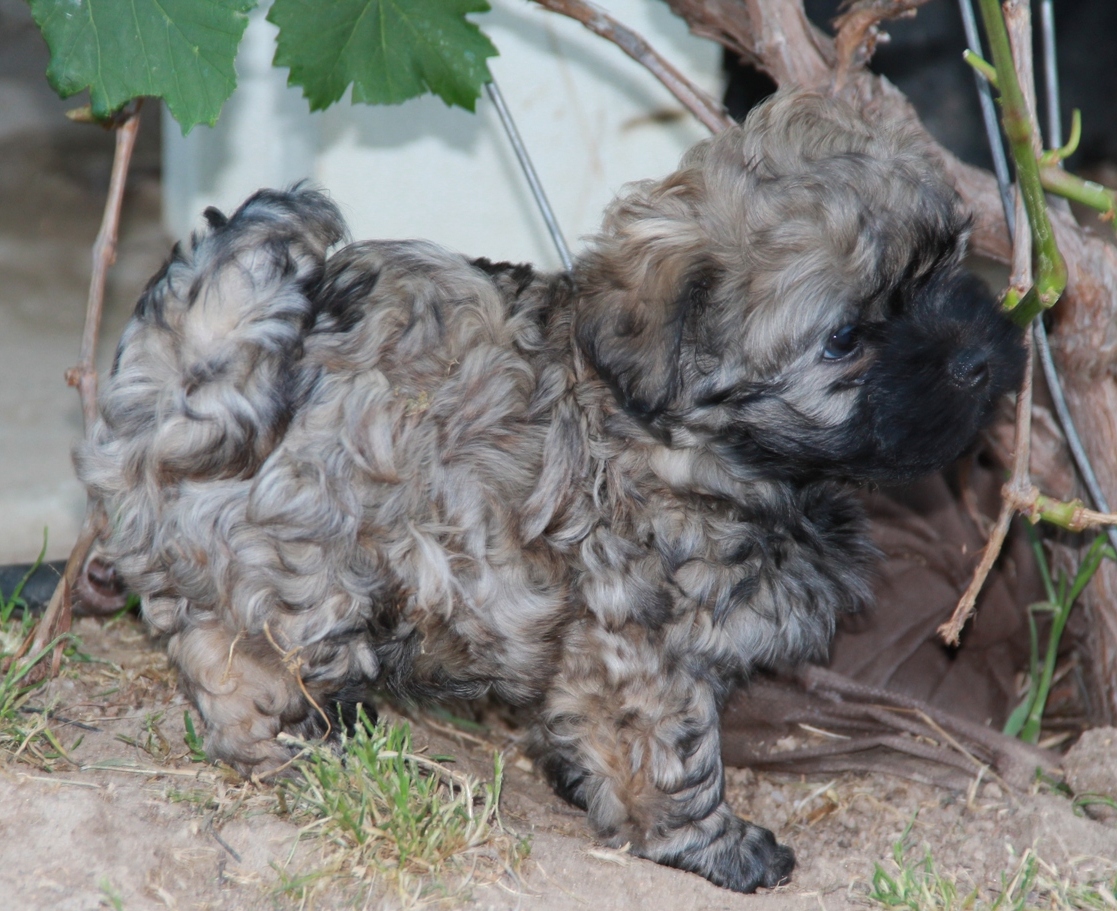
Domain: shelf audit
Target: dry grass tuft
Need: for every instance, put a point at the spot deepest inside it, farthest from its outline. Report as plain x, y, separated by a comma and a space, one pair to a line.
25, 731
911, 883
389, 817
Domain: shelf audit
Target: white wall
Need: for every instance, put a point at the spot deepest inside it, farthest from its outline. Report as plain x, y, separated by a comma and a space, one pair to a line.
591, 117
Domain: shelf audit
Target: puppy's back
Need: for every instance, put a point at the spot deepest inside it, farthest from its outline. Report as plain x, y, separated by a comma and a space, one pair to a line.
205, 376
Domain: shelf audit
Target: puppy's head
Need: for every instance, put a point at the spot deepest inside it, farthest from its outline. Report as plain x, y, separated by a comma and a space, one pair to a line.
792, 296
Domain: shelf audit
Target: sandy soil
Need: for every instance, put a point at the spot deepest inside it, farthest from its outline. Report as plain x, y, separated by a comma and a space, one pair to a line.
128, 820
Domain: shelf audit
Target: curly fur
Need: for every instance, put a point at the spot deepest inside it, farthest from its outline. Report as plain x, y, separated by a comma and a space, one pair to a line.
605, 495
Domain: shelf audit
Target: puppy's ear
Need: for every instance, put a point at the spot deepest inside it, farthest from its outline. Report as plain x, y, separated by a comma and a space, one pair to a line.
639, 287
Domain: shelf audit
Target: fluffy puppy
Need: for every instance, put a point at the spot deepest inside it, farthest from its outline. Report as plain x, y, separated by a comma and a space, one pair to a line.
605, 495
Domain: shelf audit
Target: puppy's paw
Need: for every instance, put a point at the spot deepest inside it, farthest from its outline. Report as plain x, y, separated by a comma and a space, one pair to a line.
744, 858
764, 862
268, 761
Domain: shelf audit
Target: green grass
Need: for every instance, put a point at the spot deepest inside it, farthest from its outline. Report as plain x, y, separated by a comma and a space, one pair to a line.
195, 742
154, 743
915, 883
25, 732
1026, 720
111, 897
15, 620
1088, 799
391, 815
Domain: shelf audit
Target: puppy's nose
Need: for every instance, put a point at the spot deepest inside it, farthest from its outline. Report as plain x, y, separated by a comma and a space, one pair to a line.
969, 368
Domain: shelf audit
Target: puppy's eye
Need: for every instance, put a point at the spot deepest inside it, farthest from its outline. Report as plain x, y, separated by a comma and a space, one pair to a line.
842, 343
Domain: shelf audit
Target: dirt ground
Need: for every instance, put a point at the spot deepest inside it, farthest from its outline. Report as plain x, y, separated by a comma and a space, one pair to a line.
129, 821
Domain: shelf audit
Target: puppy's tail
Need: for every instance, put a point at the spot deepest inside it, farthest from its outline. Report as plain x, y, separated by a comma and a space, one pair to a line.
207, 374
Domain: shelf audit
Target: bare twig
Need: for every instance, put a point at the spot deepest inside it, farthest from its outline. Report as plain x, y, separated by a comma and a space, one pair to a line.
293, 664
1017, 490
774, 35
59, 612
1019, 494
56, 620
858, 35
84, 375
1019, 82
708, 111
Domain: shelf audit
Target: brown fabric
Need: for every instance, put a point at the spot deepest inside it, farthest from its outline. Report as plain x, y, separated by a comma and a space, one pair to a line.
895, 698
931, 545
868, 729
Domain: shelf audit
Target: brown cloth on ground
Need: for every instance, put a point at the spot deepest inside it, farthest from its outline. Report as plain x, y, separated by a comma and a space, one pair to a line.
843, 726
895, 698
931, 546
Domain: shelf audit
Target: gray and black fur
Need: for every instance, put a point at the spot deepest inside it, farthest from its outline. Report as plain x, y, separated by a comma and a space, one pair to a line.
606, 496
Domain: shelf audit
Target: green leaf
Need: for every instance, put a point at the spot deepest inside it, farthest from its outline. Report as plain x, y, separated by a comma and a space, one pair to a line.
390, 50
1019, 715
179, 50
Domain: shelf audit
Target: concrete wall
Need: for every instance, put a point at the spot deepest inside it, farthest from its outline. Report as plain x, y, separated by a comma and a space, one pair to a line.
591, 118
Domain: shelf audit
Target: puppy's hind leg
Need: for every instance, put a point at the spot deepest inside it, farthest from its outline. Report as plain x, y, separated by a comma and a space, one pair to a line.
631, 735
247, 694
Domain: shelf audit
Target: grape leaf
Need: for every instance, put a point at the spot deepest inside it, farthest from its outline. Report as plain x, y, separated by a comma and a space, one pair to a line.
390, 50
179, 50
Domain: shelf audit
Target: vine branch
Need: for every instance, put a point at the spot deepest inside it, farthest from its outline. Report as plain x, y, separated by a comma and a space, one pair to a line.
1051, 269
59, 612
857, 33
1018, 494
1055, 180
84, 375
698, 102
1016, 491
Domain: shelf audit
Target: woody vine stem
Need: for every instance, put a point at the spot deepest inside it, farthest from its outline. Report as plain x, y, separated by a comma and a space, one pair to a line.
59, 612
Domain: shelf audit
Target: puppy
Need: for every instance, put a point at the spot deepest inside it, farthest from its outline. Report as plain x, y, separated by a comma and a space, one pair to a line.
605, 495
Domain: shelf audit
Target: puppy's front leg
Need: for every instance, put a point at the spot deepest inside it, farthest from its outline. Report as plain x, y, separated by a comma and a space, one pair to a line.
630, 734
